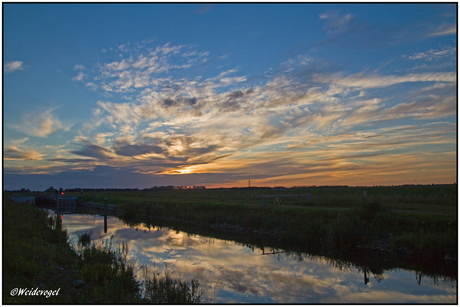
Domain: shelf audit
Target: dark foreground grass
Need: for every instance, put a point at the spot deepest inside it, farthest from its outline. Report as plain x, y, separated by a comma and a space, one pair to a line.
37, 256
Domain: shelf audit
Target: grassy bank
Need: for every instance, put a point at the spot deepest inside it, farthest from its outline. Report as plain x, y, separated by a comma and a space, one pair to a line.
37, 255
419, 221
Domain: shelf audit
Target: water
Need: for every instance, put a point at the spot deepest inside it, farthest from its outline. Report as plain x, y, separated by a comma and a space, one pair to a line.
230, 272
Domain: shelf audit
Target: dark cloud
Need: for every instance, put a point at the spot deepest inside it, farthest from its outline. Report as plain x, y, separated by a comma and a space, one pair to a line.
123, 148
93, 151
235, 95
16, 154
180, 101
234, 99
64, 160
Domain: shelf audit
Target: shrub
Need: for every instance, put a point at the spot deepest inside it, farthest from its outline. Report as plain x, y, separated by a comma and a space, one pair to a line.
109, 270
165, 290
363, 224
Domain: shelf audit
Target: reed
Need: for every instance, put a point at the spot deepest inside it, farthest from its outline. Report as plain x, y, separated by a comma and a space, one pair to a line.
37, 253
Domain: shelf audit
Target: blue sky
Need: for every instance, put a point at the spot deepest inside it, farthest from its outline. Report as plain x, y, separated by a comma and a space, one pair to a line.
141, 95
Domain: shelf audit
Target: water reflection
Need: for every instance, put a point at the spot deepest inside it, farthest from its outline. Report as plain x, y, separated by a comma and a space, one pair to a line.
234, 273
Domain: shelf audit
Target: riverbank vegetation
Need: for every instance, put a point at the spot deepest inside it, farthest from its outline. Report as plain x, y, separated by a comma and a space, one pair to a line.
417, 221
37, 255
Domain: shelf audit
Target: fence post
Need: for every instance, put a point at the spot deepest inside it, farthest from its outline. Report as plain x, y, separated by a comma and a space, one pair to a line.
105, 215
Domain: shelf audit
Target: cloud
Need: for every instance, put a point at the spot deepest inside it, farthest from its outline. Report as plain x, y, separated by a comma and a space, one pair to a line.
14, 153
449, 29
91, 86
93, 151
196, 124
143, 67
124, 148
40, 124
337, 23
428, 107
13, 66
18, 150
299, 118
434, 54
79, 77
79, 67
366, 81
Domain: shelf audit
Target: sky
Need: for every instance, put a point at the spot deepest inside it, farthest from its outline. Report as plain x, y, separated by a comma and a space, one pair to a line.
139, 95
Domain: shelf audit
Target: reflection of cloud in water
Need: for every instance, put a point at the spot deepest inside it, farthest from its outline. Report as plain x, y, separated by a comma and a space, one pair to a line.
232, 273
391, 297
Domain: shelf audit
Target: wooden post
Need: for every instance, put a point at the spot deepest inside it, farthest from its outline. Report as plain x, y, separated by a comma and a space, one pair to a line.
105, 215
364, 196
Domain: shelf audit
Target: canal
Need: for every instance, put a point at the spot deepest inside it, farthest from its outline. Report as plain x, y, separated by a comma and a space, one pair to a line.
233, 272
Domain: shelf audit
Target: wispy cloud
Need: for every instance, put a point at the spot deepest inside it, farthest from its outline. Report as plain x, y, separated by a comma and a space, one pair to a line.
13, 66
14, 153
336, 22
145, 67
365, 81
17, 150
40, 124
434, 54
449, 29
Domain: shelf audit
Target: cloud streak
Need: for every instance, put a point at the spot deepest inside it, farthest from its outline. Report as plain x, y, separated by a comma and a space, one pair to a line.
40, 124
